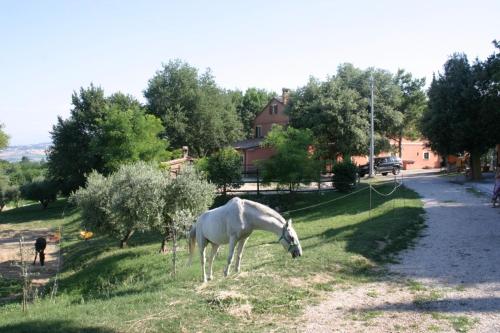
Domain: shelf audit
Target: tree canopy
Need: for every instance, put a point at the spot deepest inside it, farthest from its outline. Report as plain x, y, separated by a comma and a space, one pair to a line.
337, 110
194, 110
463, 113
100, 134
294, 162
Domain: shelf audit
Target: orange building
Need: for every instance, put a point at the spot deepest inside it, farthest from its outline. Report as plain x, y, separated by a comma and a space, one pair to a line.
415, 154
272, 114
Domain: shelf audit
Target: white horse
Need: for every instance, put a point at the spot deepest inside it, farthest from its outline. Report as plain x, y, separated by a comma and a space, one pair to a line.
233, 223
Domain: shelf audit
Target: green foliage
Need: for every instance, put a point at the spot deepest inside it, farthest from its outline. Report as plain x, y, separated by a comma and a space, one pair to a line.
344, 175
337, 110
224, 169
193, 109
40, 189
127, 136
293, 162
129, 200
463, 113
101, 133
248, 105
25, 171
4, 138
186, 196
8, 193
412, 106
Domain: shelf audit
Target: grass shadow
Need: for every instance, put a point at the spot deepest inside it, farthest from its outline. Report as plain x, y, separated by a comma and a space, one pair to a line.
53, 326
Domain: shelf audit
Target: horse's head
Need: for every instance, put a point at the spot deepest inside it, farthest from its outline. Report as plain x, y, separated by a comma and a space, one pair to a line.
290, 240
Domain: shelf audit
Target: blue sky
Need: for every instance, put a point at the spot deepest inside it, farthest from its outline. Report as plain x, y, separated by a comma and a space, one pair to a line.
51, 48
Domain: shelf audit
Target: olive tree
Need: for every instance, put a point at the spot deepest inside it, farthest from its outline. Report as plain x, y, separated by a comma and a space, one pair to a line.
40, 189
129, 200
186, 196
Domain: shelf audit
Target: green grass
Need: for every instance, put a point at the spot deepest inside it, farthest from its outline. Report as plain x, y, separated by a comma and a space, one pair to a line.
106, 289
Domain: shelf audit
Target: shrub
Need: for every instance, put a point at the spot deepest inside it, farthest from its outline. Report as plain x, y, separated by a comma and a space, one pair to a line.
224, 169
40, 189
344, 175
8, 193
129, 200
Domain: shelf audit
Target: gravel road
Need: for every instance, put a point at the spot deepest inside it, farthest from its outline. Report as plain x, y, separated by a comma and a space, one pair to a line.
449, 282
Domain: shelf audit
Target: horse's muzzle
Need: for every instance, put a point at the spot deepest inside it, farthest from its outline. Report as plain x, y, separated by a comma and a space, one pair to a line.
296, 253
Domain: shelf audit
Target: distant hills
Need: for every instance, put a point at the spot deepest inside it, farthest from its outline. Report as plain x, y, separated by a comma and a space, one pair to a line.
35, 152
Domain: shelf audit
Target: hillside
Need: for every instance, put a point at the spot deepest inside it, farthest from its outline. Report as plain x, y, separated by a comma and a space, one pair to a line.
102, 288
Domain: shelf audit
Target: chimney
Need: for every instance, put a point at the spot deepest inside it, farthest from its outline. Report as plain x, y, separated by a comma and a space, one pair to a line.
285, 95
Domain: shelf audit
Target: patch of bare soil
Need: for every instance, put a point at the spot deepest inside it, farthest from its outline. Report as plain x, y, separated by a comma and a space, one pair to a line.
10, 255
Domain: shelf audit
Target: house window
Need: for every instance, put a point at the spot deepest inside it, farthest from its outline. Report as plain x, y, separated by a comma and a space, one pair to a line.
273, 109
258, 131
426, 155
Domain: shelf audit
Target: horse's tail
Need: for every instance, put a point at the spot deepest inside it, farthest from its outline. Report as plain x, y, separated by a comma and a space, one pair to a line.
192, 242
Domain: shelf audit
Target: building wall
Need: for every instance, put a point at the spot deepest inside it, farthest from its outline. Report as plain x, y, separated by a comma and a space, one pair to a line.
266, 120
254, 154
413, 153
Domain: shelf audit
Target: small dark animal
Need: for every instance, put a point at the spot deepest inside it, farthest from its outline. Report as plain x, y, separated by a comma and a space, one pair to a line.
40, 245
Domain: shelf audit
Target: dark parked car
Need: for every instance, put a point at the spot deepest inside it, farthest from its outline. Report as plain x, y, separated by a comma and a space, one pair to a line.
383, 165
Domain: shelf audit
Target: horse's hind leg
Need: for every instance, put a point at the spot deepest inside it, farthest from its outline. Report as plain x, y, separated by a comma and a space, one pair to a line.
215, 248
232, 243
241, 245
202, 243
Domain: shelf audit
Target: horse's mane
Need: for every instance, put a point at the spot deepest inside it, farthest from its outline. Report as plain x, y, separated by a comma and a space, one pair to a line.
266, 209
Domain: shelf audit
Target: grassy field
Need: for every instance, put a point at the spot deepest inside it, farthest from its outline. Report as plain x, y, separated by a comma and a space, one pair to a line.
106, 289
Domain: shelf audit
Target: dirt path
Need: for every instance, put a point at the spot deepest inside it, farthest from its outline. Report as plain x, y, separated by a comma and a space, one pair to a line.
10, 253
450, 281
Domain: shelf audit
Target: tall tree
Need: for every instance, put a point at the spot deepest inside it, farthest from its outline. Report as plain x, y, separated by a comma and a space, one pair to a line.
412, 105
248, 105
456, 120
337, 110
70, 157
193, 109
100, 134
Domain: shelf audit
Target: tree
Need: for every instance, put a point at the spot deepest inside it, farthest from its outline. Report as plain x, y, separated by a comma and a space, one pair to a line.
8, 193
412, 106
70, 156
100, 134
248, 105
344, 175
40, 189
193, 109
129, 200
293, 162
457, 120
25, 171
224, 169
337, 110
186, 196
127, 136
4, 138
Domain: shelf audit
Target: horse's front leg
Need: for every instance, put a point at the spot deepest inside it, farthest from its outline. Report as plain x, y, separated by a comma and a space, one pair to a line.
215, 248
241, 245
232, 243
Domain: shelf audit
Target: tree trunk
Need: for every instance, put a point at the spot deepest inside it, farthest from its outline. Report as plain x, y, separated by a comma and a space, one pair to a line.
475, 165
44, 203
164, 248
123, 242
174, 251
